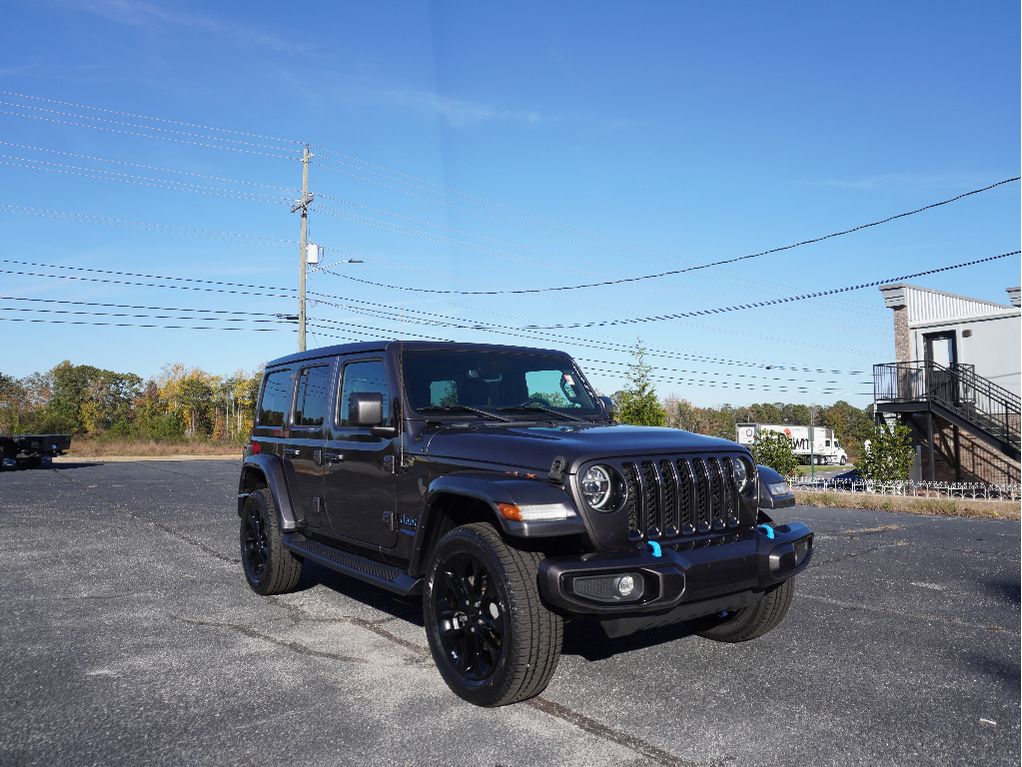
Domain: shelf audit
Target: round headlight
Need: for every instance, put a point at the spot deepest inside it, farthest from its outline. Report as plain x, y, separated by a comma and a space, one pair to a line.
597, 487
740, 471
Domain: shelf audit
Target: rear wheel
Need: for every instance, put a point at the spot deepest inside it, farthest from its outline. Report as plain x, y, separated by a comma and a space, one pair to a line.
269, 567
749, 622
492, 639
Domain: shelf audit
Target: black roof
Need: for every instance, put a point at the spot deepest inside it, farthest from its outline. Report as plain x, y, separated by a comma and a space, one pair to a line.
385, 345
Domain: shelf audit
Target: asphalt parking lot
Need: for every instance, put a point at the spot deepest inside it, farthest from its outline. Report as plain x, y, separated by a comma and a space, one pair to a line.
129, 636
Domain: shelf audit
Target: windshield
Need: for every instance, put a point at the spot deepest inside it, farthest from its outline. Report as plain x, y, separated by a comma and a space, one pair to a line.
497, 382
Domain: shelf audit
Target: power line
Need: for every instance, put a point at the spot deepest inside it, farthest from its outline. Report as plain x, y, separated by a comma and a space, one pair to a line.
153, 128
126, 223
771, 301
223, 286
86, 313
143, 166
695, 267
204, 144
48, 321
478, 324
77, 105
100, 174
757, 382
196, 310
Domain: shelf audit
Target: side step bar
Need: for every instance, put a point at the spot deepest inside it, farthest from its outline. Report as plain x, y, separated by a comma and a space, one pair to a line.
385, 576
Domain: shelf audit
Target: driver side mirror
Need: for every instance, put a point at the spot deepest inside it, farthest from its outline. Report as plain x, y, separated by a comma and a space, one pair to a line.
365, 409
608, 406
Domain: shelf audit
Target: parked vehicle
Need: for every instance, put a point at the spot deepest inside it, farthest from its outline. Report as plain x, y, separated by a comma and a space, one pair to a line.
823, 448
492, 481
30, 451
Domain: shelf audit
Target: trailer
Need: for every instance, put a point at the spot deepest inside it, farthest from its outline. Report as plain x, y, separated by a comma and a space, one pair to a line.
823, 447
30, 451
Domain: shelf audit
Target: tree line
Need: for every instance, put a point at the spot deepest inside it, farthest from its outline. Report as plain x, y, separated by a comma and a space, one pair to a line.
183, 403
639, 404
179, 404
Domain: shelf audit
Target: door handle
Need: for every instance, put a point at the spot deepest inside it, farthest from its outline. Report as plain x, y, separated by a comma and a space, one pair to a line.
333, 457
293, 452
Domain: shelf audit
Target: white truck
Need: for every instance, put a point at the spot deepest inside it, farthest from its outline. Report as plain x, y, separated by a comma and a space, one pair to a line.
825, 447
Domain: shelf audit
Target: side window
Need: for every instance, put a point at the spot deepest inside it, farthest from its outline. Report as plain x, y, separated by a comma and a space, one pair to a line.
312, 396
276, 399
368, 376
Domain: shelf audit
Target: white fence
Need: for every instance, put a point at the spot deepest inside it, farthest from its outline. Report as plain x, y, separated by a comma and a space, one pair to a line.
1006, 492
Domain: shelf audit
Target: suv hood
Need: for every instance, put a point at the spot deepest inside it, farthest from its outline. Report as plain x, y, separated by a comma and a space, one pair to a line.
535, 447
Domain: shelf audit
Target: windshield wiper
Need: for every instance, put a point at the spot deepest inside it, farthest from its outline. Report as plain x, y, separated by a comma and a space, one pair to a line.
526, 408
464, 409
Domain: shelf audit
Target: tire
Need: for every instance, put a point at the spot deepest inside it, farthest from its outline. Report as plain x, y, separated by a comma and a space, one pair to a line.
844, 460
492, 639
269, 567
749, 622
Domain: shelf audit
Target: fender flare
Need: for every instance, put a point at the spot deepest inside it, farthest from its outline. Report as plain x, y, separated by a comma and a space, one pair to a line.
767, 499
491, 490
271, 468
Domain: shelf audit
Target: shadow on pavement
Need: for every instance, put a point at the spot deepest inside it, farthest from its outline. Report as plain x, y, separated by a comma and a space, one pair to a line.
586, 639
405, 608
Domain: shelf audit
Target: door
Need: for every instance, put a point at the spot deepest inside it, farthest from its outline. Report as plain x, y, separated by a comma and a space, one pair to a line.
303, 445
940, 354
361, 487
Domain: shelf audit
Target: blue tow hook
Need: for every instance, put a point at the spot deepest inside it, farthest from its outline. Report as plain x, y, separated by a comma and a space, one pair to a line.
768, 529
655, 547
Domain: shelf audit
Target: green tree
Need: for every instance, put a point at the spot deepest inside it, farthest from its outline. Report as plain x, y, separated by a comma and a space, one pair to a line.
14, 406
638, 404
773, 449
889, 455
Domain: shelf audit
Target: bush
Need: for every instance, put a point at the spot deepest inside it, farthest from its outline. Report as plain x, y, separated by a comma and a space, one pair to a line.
774, 450
889, 455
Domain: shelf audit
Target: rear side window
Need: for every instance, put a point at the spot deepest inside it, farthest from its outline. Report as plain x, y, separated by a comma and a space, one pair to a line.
312, 396
276, 399
368, 376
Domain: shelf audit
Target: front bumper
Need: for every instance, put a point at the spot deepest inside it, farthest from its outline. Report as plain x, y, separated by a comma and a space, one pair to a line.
701, 577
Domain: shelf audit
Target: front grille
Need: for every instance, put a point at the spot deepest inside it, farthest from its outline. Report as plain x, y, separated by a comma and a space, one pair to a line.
670, 497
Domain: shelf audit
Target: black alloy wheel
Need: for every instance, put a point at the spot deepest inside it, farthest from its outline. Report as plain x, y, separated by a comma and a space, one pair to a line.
470, 618
254, 543
269, 567
493, 640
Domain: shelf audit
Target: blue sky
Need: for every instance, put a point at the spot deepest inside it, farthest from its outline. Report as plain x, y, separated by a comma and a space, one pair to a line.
476, 147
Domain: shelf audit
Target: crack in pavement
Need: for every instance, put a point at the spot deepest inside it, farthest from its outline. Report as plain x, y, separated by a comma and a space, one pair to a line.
857, 531
593, 727
288, 644
149, 521
854, 554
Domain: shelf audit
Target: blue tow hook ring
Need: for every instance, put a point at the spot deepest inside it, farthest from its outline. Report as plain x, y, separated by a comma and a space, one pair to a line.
768, 529
655, 547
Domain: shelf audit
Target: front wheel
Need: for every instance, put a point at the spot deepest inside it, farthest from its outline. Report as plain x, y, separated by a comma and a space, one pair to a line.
492, 639
749, 622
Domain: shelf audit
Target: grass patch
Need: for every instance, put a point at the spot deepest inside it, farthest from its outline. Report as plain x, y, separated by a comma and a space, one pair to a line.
99, 448
941, 507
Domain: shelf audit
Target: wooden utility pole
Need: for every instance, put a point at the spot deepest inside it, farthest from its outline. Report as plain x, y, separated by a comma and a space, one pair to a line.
303, 244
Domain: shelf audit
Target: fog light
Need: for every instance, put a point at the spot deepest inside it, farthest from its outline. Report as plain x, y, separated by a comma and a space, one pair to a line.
628, 587
802, 550
625, 586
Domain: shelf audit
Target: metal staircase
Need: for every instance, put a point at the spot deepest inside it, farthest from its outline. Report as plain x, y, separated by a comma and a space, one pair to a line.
955, 394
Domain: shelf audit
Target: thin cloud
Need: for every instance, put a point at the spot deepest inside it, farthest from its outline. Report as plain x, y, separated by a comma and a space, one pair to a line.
141, 14
461, 112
